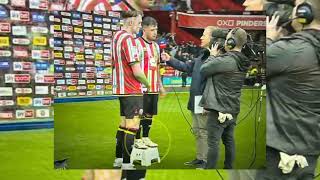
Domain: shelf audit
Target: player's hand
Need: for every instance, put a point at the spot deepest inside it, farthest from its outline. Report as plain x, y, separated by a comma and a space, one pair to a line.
214, 51
148, 87
163, 92
273, 31
165, 56
145, 88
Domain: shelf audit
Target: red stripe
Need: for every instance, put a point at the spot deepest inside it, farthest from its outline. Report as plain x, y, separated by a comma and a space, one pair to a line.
130, 84
145, 57
147, 64
76, 4
90, 6
123, 6
116, 61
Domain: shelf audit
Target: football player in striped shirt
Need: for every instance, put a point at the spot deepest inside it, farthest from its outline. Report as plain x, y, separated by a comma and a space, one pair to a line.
149, 54
127, 79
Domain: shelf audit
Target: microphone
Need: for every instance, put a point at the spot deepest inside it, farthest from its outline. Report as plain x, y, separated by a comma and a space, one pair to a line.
285, 24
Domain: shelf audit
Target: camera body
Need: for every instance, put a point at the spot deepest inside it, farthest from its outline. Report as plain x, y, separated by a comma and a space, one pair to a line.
283, 7
218, 37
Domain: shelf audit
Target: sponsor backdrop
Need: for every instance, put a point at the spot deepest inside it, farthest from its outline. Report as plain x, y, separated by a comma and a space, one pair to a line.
26, 70
82, 53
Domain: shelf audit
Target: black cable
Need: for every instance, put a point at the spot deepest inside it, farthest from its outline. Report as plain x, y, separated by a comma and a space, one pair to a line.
184, 116
252, 89
259, 98
256, 128
245, 116
219, 174
254, 152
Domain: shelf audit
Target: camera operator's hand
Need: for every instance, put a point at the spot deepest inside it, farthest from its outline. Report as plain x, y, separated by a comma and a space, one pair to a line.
273, 31
214, 51
165, 56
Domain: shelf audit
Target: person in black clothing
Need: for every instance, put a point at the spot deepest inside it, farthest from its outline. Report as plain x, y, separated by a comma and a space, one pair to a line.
184, 76
293, 96
221, 97
211, 34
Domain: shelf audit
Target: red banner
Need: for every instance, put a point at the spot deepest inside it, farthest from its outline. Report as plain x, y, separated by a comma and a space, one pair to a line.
201, 21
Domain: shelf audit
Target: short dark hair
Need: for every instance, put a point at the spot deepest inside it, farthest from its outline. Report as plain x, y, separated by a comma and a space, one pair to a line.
240, 35
149, 21
130, 14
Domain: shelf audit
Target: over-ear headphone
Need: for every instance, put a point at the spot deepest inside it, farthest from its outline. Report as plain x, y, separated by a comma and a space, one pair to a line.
304, 13
232, 42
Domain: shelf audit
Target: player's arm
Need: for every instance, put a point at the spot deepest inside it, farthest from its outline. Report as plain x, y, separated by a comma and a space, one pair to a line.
130, 50
161, 88
138, 74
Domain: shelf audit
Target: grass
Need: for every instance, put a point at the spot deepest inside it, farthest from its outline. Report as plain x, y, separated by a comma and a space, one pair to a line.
28, 155
85, 133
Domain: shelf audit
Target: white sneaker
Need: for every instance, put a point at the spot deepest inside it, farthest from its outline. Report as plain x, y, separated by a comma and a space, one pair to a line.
147, 141
138, 143
127, 166
117, 162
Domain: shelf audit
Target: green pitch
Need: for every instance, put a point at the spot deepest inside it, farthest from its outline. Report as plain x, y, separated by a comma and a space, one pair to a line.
29, 154
85, 133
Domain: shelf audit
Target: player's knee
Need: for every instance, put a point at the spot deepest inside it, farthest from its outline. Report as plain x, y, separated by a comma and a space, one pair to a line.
123, 121
133, 123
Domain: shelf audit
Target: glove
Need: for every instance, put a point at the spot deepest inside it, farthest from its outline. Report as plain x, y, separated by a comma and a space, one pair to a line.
223, 117
287, 162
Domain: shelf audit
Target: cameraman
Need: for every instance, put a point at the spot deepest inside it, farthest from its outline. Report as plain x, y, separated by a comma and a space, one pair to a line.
293, 96
225, 77
210, 35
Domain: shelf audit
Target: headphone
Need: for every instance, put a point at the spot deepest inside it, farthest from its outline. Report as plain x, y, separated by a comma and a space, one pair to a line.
304, 13
232, 42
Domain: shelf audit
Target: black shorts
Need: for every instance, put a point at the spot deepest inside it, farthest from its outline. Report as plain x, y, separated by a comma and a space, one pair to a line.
131, 106
150, 104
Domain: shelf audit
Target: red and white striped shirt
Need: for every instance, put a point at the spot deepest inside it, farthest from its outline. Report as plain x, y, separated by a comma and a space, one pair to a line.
122, 6
98, 6
149, 54
124, 54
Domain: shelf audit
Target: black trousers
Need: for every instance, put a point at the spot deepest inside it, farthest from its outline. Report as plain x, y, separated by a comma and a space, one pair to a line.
216, 132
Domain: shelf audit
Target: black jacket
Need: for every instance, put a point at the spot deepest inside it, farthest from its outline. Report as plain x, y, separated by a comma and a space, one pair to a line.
293, 93
226, 75
193, 68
